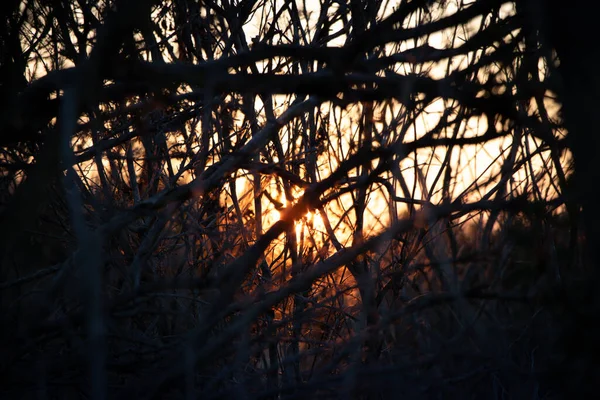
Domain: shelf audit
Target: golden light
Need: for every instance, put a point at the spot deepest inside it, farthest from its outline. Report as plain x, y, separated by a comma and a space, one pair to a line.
299, 228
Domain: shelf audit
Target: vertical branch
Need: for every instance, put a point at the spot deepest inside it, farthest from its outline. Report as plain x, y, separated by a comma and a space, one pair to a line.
88, 259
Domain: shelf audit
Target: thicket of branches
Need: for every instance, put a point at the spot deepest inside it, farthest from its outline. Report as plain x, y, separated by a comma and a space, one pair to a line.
287, 199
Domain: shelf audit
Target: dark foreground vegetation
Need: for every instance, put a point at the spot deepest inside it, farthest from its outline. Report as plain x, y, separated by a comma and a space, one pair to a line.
284, 199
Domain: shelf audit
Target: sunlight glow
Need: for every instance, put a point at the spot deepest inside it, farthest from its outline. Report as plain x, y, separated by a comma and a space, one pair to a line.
420, 174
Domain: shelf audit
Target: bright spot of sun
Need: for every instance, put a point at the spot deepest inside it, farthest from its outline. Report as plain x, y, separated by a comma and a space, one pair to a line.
299, 227
307, 225
317, 220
